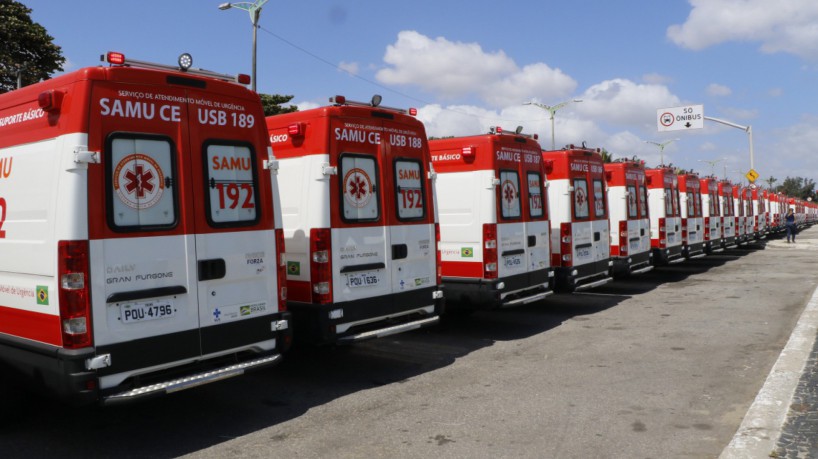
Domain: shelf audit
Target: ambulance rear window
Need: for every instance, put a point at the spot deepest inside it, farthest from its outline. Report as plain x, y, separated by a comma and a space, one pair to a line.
509, 194
141, 174
409, 195
536, 202
632, 201
668, 202
581, 207
232, 187
599, 199
643, 201
359, 188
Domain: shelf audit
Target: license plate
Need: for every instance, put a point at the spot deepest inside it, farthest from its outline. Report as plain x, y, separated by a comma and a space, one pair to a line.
512, 261
150, 310
363, 279
583, 252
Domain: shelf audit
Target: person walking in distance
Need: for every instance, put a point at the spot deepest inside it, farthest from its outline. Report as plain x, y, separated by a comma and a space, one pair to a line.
789, 221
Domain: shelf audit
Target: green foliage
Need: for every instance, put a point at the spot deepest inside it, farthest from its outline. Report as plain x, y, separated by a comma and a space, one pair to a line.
273, 104
607, 157
25, 46
798, 187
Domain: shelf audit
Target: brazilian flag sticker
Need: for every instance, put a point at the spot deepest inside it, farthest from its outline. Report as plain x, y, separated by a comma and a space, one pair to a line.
294, 268
466, 252
42, 294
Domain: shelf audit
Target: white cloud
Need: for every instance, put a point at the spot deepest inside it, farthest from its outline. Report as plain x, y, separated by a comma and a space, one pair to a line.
776, 92
451, 70
718, 90
349, 67
625, 103
794, 153
787, 26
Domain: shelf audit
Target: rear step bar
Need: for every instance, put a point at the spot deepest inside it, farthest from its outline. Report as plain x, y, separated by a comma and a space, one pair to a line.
189, 382
380, 333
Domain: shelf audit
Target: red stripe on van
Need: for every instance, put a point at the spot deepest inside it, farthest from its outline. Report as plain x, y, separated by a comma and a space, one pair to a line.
30, 325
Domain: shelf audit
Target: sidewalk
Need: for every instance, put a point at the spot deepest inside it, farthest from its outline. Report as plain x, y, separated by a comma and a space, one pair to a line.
783, 420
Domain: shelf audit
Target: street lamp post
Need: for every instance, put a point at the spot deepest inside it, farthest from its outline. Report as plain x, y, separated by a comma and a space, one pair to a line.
552, 109
662, 148
255, 11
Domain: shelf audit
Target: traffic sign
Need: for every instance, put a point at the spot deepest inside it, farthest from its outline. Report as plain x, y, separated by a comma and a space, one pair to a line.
751, 175
680, 118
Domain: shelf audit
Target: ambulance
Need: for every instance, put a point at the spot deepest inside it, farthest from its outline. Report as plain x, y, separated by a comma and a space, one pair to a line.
742, 234
628, 217
759, 200
713, 222
138, 232
360, 223
728, 215
777, 211
494, 229
665, 216
694, 229
580, 235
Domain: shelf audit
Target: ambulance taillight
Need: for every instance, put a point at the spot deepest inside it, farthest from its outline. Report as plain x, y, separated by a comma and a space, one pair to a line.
438, 257
662, 233
490, 251
566, 246
623, 237
74, 294
706, 228
281, 273
321, 265
51, 100
243, 78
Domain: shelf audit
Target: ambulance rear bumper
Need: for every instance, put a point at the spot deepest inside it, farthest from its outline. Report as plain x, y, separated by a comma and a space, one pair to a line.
502, 292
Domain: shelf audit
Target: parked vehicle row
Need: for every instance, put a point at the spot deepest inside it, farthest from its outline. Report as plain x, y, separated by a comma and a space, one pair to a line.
152, 241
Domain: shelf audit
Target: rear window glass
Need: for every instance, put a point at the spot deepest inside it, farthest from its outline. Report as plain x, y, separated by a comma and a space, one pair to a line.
599, 199
581, 207
232, 188
141, 177
409, 190
668, 202
509, 194
536, 200
359, 188
632, 209
643, 201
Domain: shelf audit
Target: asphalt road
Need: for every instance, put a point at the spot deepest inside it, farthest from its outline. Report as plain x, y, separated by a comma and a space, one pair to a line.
663, 365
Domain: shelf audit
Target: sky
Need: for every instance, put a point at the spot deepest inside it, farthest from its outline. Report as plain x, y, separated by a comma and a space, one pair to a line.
470, 65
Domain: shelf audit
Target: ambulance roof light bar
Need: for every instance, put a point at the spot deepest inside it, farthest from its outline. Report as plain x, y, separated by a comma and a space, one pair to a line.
375, 102
498, 130
185, 65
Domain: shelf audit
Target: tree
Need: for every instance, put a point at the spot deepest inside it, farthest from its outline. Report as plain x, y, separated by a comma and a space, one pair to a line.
798, 187
272, 104
25, 48
770, 182
607, 157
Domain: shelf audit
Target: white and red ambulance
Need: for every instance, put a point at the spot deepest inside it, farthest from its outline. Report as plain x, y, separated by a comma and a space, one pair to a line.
778, 210
628, 216
580, 235
665, 215
713, 224
140, 253
360, 223
742, 228
693, 227
728, 215
759, 199
494, 228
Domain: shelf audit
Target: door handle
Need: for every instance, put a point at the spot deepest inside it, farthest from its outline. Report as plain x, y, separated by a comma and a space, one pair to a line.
399, 251
212, 269
532, 241
596, 236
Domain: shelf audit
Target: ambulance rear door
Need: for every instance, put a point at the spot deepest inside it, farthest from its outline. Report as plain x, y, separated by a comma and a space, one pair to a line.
600, 225
537, 226
511, 228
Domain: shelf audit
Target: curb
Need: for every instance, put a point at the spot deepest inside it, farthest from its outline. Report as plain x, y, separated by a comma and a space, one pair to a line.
761, 427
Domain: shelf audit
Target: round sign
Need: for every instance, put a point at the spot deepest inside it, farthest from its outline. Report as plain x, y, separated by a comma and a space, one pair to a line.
667, 119
357, 188
138, 181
